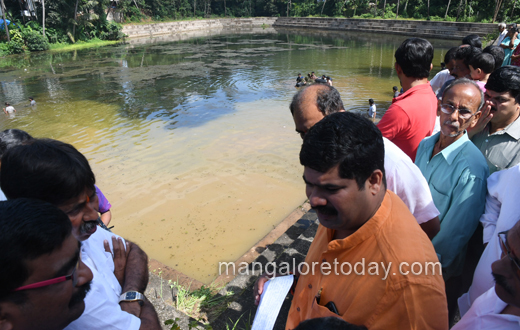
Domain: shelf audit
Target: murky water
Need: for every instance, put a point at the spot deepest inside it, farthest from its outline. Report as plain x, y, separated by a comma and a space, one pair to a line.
192, 142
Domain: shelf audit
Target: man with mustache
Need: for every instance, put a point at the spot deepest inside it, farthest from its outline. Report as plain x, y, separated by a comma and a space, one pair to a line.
456, 172
362, 221
499, 307
497, 134
44, 280
57, 173
313, 103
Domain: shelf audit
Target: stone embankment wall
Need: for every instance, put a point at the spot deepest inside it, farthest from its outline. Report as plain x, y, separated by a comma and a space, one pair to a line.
212, 25
424, 29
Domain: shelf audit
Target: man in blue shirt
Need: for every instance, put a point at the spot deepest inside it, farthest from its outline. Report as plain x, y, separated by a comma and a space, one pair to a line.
456, 172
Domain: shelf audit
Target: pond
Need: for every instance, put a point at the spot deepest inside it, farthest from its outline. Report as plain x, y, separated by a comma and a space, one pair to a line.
192, 141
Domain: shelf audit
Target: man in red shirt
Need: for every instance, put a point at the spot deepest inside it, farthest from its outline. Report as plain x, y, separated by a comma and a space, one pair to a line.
411, 117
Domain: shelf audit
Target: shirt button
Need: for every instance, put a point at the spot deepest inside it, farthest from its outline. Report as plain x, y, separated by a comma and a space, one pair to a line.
298, 309
310, 286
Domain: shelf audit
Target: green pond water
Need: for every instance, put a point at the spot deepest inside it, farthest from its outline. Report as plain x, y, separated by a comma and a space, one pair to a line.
192, 141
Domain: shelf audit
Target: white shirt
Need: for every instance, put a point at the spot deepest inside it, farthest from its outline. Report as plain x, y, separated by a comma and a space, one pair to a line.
2, 196
372, 110
405, 179
102, 309
440, 78
501, 37
9, 109
485, 314
501, 213
437, 126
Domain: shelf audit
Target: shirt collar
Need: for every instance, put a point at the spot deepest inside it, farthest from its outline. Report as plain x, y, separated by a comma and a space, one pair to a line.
411, 91
450, 152
513, 129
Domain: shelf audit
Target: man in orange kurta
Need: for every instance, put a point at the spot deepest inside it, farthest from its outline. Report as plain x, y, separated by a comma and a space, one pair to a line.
370, 257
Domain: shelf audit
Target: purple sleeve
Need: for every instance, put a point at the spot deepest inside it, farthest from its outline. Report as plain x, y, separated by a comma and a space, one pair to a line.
104, 204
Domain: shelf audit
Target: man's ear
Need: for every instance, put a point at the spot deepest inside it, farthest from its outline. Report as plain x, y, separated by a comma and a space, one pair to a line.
439, 107
397, 68
431, 66
375, 182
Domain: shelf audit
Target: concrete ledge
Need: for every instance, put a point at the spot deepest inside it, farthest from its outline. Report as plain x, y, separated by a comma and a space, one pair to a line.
155, 29
430, 29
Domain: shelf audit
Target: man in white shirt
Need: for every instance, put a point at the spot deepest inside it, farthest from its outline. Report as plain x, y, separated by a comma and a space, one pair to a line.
9, 109
499, 307
501, 214
502, 35
313, 103
444, 75
372, 110
57, 173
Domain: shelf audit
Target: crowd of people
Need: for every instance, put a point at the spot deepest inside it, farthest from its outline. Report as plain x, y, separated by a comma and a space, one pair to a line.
434, 182
311, 78
425, 201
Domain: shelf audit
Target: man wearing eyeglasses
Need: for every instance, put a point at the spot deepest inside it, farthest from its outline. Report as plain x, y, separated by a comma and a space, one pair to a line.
497, 133
43, 278
499, 307
456, 172
57, 173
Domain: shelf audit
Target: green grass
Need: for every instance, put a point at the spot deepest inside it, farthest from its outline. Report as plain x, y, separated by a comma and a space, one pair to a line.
81, 45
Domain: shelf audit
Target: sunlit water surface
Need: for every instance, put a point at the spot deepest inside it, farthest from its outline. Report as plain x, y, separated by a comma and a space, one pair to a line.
192, 142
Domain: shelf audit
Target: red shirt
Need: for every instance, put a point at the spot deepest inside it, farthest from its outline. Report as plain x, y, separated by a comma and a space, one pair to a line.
410, 118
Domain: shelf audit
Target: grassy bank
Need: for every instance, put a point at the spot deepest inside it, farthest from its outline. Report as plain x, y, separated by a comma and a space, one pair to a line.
82, 44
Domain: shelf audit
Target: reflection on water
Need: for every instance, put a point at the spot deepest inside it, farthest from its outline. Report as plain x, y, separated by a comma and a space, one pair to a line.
192, 142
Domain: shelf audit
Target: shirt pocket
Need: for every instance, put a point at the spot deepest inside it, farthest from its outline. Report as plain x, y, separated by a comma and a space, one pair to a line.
440, 199
318, 310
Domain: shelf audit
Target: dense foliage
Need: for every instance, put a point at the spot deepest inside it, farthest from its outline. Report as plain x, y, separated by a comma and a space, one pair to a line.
67, 21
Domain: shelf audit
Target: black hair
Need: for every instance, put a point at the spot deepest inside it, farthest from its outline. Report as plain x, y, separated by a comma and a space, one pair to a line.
7, 103
395, 88
12, 137
31, 98
328, 323
348, 140
465, 81
30, 229
473, 40
505, 79
450, 54
415, 56
45, 169
483, 61
328, 99
498, 53
467, 53
371, 101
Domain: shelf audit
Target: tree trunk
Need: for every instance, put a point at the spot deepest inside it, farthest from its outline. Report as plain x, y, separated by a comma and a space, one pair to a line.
497, 9
428, 17
384, 7
194, 6
465, 9
5, 22
43, 17
225, 9
405, 6
75, 21
448, 8
397, 11
324, 1
459, 8
343, 5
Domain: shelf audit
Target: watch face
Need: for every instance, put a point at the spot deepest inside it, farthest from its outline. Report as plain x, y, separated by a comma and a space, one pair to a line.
130, 295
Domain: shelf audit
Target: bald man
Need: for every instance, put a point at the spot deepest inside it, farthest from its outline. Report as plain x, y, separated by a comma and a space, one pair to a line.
311, 104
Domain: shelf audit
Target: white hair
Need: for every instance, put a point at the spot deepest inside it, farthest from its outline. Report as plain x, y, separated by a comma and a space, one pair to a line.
502, 25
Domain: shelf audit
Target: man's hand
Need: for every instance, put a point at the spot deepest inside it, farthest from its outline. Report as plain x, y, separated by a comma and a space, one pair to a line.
259, 286
131, 307
484, 119
120, 256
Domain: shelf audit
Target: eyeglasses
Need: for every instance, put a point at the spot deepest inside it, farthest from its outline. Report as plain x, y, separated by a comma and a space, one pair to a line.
73, 276
463, 113
502, 237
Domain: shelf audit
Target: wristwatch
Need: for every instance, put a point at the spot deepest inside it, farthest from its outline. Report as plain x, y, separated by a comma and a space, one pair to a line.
132, 296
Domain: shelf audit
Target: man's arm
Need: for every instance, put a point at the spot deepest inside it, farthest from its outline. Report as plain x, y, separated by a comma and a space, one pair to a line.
149, 319
136, 276
106, 217
431, 227
461, 219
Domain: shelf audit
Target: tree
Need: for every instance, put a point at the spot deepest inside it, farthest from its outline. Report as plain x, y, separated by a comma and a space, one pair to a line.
497, 9
447, 8
43, 17
397, 11
5, 22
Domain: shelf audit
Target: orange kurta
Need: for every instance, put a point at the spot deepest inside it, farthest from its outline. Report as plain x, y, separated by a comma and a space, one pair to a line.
402, 301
